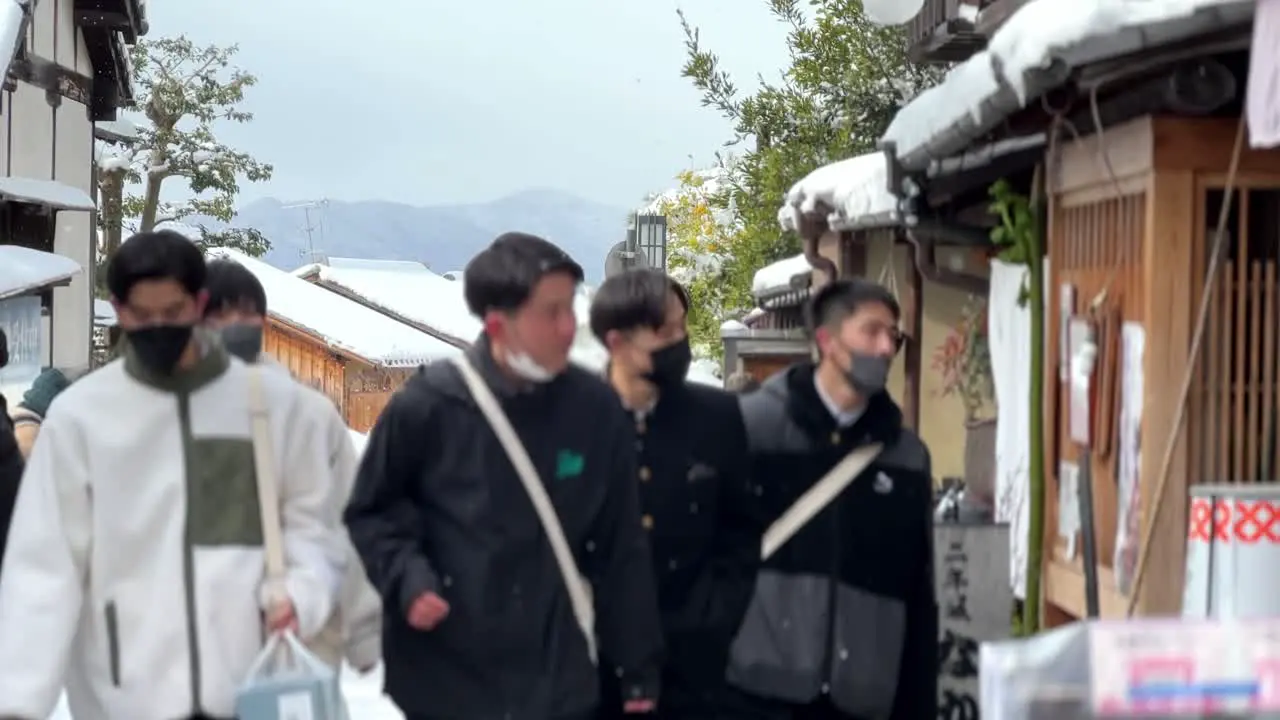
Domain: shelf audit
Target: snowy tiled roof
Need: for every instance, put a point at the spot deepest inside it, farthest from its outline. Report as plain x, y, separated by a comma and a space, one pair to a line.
857, 191
419, 297
384, 265
778, 275
23, 270
57, 195
972, 98
344, 325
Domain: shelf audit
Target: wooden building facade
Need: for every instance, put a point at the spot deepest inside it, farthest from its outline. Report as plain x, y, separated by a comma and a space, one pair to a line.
1146, 237
358, 387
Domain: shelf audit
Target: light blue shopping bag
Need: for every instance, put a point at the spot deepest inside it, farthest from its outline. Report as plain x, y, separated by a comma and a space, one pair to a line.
287, 682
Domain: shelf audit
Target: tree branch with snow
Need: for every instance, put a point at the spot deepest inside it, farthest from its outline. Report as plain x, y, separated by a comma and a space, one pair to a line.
184, 92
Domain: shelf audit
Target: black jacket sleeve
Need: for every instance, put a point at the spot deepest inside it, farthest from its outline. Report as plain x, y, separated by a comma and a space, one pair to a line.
621, 572
736, 547
383, 516
917, 695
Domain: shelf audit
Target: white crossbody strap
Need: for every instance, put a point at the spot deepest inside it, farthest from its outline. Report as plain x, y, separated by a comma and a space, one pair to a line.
580, 597
816, 498
268, 491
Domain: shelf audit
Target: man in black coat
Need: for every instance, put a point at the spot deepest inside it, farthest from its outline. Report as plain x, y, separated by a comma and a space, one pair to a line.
478, 621
11, 463
843, 624
694, 491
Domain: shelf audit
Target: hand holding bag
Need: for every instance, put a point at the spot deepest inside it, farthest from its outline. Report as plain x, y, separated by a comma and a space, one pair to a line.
580, 597
286, 681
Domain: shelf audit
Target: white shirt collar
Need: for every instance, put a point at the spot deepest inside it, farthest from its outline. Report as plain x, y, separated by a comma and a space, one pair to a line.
843, 418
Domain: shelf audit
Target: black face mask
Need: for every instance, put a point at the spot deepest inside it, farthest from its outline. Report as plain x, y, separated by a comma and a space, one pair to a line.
159, 347
243, 340
670, 363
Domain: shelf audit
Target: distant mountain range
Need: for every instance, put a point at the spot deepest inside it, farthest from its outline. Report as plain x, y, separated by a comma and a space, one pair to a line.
444, 237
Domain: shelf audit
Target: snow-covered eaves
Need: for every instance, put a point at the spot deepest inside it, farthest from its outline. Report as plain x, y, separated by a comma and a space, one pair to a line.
23, 270
345, 326
780, 275
104, 315
116, 131
415, 296
50, 193
400, 266
855, 192
12, 14
1034, 52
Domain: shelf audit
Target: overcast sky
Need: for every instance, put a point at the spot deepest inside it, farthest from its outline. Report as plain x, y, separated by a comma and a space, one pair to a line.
434, 102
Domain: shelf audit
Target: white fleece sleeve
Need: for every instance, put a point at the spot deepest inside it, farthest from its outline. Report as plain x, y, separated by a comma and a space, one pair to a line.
314, 543
361, 608
43, 575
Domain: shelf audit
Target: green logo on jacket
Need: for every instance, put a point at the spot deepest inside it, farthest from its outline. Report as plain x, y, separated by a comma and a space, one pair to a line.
569, 464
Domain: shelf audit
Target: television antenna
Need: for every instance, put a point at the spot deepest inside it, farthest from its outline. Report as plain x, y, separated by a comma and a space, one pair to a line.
309, 228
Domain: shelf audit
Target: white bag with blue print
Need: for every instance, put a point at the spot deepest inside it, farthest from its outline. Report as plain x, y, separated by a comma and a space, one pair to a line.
286, 681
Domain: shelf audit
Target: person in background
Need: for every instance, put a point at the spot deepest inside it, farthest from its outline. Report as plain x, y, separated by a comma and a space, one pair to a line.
237, 313
34, 405
135, 554
844, 622
478, 622
741, 383
694, 492
11, 457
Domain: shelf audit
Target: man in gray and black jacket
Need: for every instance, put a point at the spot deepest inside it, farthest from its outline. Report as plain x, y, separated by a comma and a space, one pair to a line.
843, 623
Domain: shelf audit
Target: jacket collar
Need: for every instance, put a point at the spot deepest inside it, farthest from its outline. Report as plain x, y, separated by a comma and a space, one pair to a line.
213, 361
881, 421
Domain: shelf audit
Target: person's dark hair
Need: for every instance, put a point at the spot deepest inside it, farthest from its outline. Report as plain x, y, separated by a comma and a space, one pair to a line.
503, 275
632, 300
741, 382
834, 302
233, 286
158, 255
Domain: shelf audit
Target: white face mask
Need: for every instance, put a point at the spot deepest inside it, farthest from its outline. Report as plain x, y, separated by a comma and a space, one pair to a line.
524, 366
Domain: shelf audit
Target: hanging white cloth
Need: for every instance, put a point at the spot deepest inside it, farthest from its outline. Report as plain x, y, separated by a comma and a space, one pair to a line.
1262, 100
1009, 336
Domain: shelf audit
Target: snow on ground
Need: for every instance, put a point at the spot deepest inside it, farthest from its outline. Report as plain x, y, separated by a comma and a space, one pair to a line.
344, 324
857, 191
23, 269
421, 297
365, 700
779, 274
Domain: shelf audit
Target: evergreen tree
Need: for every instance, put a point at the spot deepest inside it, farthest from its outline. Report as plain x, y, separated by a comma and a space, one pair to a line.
847, 80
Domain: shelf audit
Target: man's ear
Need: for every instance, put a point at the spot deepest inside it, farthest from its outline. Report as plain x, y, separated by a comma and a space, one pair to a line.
613, 340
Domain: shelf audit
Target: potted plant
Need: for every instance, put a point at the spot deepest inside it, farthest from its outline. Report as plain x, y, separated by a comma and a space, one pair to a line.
964, 362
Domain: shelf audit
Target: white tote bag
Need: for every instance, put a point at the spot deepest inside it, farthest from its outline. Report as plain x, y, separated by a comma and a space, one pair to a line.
286, 681
580, 597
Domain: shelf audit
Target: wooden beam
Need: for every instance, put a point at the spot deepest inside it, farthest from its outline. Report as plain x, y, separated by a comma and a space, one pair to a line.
913, 328
101, 19
996, 14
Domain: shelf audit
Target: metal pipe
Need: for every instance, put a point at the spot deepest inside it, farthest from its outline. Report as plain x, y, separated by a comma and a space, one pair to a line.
927, 263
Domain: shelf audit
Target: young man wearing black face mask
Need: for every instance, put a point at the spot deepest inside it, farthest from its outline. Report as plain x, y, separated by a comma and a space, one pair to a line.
237, 313
136, 549
694, 492
843, 624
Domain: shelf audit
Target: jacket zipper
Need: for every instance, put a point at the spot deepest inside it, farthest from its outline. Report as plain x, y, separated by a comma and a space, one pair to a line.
188, 560
113, 641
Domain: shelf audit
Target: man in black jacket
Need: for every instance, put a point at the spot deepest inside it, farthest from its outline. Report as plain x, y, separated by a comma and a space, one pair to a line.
843, 623
478, 623
11, 462
694, 492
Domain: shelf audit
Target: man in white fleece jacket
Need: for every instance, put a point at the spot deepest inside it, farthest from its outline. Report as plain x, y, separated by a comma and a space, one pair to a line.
236, 311
134, 571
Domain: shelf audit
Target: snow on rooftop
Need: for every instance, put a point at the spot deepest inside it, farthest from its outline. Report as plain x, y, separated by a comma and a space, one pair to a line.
103, 314
385, 265
23, 270
1030, 39
779, 274
344, 325
856, 189
117, 130
190, 232
52, 193
419, 296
